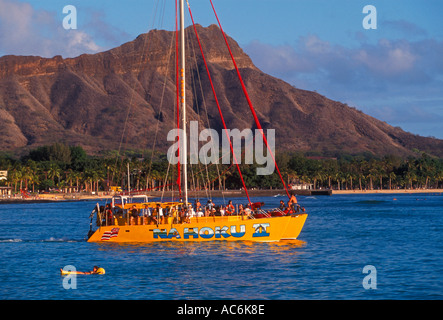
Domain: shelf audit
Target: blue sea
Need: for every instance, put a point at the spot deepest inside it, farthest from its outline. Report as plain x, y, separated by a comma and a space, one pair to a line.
351, 247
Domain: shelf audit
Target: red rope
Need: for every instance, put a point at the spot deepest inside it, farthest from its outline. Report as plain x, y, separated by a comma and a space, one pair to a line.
257, 122
218, 106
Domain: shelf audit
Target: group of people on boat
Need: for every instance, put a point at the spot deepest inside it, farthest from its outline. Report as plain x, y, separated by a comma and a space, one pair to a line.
184, 214
181, 213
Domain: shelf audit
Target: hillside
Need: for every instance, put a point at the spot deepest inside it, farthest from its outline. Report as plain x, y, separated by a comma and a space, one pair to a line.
85, 101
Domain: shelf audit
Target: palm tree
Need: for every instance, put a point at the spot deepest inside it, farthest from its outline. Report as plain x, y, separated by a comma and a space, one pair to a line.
330, 169
88, 180
373, 174
349, 176
410, 177
77, 176
54, 172
360, 176
70, 176
361, 166
338, 178
391, 176
305, 179
154, 176
382, 174
317, 176
438, 177
98, 176
14, 177
33, 179
26, 175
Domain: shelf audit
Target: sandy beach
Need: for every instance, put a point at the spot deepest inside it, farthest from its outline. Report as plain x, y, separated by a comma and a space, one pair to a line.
203, 194
400, 191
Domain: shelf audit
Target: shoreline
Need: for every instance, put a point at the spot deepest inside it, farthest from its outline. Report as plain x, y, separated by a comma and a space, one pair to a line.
217, 194
396, 191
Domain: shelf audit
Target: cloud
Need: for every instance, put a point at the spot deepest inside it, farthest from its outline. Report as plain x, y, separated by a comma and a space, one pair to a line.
404, 27
387, 61
400, 73
281, 59
416, 118
412, 113
99, 28
28, 31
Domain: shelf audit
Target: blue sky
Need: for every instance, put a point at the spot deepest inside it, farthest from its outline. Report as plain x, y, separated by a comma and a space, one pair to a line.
394, 72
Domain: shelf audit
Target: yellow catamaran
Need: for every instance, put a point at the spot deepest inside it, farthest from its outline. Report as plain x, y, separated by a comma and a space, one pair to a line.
117, 224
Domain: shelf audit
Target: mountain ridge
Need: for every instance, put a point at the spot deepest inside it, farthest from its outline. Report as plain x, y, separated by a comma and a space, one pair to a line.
86, 100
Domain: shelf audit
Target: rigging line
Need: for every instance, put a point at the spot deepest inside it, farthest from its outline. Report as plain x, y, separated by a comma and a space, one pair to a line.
218, 106
208, 122
243, 153
191, 44
193, 181
223, 156
160, 108
194, 86
162, 13
165, 181
198, 114
177, 89
251, 107
132, 94
220, 175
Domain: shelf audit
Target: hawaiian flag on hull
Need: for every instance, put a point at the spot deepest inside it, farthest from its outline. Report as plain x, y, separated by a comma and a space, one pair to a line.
110, 234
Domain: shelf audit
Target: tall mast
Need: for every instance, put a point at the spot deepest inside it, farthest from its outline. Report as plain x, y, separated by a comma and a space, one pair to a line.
183, 98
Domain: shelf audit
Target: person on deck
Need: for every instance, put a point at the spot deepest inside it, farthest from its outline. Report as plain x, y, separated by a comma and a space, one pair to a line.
182, 214
230, 209
155, 215
108, 214
210, 205
159, 214
248, 210
146, 214
197, 205
241, 211
190, 214
174, 214
293, 200
282, 205
134, 214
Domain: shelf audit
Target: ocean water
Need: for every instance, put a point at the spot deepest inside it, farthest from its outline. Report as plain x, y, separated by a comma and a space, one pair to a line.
398, 237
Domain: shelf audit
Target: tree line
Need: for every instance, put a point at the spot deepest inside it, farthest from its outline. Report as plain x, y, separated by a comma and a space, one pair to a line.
60, 167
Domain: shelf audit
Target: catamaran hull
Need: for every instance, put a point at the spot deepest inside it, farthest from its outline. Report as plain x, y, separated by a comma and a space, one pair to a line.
233, 228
